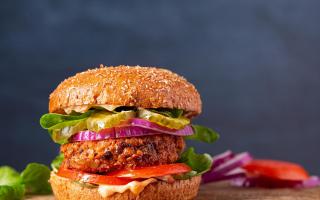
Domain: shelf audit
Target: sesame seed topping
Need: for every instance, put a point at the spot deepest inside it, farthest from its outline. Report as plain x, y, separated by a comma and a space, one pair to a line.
124, 85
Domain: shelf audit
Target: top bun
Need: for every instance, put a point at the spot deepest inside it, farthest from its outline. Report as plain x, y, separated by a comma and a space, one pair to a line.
145, 87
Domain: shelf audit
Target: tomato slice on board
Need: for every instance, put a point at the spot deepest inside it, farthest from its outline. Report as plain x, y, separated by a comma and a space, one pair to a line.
276, 169
153, 171
92, 178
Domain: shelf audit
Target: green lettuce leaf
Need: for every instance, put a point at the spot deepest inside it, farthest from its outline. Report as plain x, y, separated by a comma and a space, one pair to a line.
199, 163
55, 164
203, 134
35, 178
6, 192
10, 184
50, 120
19, 191
9, 176
174, 113
15, 192
61, 127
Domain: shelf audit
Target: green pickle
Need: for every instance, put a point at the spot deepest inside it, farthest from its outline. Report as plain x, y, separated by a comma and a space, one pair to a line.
173, 123
105, 119
61, 135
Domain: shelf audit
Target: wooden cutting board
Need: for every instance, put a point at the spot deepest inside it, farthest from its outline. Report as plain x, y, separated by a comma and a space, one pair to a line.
222, 191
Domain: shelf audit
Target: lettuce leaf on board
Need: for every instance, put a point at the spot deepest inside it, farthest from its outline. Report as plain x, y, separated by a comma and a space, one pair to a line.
35, 178
9, 176
14, 192
11, 187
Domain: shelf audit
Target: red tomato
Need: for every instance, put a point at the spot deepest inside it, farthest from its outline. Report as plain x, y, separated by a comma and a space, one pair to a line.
92, 178
153, 171
276, 169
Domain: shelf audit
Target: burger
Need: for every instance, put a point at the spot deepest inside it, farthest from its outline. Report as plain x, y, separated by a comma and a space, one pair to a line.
122, 132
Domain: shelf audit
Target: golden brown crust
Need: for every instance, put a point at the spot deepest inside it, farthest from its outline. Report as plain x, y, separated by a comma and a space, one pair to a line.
145, 87
65, 189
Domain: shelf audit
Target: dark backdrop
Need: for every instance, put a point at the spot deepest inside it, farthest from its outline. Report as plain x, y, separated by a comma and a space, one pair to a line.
255, 63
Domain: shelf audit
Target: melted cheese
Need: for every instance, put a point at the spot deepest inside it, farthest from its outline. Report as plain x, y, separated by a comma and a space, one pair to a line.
135, 187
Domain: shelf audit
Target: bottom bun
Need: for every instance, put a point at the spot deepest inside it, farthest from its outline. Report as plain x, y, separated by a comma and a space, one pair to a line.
66, 189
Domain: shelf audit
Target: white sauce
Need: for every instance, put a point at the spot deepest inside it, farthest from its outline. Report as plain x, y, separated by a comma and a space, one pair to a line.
84, 108
135, 187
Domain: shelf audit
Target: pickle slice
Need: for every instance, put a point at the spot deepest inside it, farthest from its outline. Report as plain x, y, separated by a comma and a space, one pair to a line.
174, 123
105, 119
61, 135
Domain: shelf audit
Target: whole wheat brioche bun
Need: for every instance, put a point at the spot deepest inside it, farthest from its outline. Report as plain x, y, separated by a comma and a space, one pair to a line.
66, 189
145, 87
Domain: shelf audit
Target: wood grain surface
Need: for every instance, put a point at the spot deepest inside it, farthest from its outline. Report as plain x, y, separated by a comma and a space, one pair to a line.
223, 191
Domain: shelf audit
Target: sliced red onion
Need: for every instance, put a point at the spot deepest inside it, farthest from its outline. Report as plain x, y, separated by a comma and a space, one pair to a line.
238, 182
111, 133
263, 182
221, 158
274, 183
236, 173
137, 122
227, 177
313, 181
237, 161
133, 128
229, 166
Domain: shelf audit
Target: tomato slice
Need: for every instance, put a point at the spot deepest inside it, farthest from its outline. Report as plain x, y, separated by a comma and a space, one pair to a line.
276, 169
153, 171
92, 178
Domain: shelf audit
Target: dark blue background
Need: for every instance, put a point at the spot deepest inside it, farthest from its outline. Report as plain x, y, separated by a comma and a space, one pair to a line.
255, 63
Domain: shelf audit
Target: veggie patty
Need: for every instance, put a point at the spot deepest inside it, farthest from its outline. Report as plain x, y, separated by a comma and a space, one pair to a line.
122, 153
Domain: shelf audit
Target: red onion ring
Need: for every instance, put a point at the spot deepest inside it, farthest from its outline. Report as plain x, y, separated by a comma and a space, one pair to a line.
228, 167
265, 182
132, 128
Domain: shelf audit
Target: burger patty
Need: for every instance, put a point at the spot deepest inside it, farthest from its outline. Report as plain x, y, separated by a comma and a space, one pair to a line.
122, 153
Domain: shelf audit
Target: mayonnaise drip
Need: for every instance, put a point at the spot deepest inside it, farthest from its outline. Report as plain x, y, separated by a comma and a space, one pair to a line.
84, 108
